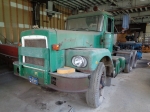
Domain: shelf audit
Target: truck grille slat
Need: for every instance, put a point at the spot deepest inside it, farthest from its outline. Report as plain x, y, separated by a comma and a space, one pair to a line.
34, 61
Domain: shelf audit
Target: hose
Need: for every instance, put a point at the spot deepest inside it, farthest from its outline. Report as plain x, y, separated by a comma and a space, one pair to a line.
5, 38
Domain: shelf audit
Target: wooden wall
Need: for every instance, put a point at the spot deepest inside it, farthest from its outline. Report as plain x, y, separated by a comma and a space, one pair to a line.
57, 21
16, 16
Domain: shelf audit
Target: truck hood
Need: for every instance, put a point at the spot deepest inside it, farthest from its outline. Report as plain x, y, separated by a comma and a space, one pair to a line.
71, 39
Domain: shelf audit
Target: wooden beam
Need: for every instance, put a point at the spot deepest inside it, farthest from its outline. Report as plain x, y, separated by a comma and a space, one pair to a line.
118, 12
29, 17
11, 29
76, 4
83, 3
104, 1
23, 12
114, 12
58, 19
146, 8
62, 24
66, 4
127, 11
88, 4
136, 9
98, 2
4, 20
18, 35
47, 21
91, 2
131, 10
42, 17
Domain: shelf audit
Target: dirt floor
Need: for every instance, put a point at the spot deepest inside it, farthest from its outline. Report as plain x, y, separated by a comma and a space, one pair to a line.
127, 93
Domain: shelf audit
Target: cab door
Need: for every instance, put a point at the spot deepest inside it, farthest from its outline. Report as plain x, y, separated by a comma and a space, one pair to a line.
109, 34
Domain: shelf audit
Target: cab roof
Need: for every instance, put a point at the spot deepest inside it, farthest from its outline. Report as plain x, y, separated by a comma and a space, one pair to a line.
94, 13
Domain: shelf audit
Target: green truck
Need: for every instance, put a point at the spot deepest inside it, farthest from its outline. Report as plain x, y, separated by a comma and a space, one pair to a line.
84, 50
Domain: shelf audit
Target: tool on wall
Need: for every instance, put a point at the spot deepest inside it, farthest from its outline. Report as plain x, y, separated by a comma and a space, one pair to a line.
50, 9
36, 13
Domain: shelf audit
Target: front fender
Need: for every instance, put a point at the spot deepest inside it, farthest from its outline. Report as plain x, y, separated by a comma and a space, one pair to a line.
93, 56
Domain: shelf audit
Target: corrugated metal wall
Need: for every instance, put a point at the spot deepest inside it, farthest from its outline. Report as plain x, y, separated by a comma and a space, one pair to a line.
16, 16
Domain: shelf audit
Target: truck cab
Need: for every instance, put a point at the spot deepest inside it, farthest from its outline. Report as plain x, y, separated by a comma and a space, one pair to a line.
97, 22
78, 59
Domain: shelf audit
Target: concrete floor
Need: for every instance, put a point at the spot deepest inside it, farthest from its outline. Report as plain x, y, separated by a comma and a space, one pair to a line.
128, 93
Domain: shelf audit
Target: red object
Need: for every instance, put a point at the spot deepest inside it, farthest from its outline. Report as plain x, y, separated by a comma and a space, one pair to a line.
9, 50
8, 54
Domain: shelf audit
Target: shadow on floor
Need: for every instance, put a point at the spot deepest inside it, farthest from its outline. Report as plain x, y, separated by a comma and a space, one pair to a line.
142, 63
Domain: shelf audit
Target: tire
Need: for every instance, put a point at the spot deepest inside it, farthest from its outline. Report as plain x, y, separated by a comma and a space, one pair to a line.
134, 59
94, 95
116, 61
135, 62
128, 66
129, 61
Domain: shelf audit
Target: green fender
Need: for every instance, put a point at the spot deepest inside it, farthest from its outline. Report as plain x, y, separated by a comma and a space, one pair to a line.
93, 56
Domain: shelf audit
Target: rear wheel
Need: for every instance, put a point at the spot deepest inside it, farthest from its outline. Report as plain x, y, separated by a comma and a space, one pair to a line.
94, 95
134, 59
135, 62
128, 66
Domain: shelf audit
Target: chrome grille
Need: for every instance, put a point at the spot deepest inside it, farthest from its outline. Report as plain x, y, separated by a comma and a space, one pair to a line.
39, 43
35, 43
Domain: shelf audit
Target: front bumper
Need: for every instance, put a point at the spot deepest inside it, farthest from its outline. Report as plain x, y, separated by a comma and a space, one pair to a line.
73, 82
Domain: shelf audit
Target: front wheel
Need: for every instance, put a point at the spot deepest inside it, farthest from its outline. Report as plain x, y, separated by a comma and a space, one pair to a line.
94, 95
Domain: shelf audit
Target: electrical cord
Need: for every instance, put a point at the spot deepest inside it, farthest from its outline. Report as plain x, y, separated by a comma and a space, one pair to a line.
5, 38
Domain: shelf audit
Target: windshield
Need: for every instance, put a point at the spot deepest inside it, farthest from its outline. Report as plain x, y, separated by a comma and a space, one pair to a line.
91, 23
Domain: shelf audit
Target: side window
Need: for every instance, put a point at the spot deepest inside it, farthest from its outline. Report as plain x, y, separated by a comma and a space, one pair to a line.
100, 23
109, 25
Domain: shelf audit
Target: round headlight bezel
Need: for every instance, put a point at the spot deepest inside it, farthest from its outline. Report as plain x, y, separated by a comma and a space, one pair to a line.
80, 61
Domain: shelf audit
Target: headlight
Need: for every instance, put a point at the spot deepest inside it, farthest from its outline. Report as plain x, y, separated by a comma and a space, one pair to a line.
79, 61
